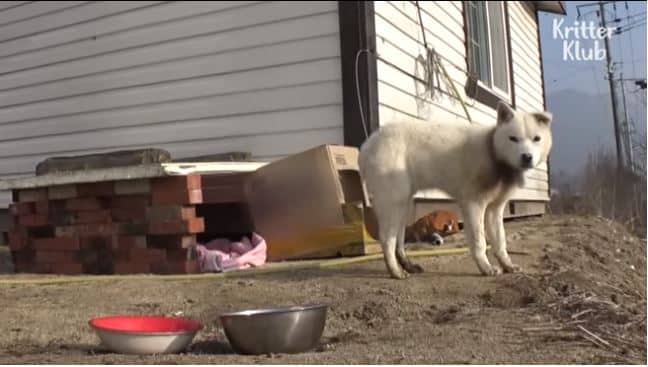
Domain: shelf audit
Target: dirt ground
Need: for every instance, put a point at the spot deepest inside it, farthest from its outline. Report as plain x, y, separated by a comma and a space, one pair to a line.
582, 299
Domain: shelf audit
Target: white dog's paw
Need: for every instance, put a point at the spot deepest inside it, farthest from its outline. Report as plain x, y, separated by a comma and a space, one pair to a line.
491, 271
512, 268
400, 276
398, 273
413, 268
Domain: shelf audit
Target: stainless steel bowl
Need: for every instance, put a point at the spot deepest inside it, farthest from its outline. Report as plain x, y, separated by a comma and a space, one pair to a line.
293, 329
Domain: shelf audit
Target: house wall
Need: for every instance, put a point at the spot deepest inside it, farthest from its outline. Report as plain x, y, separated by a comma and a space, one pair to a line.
402, 96
191, 77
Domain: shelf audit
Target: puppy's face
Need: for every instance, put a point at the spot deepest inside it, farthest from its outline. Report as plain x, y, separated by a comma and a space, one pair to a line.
522, 140
445, 222
451, 226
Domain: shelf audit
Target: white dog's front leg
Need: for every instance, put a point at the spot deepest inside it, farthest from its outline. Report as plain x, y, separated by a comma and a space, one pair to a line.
474, 226
497, 236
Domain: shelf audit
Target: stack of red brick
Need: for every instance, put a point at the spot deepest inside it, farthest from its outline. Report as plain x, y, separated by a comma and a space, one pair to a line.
120, 227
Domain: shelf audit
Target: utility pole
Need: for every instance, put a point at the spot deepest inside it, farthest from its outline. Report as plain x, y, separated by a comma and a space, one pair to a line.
610, 72
627, 141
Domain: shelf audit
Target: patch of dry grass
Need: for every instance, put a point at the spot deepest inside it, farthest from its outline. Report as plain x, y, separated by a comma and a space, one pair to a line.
600, 189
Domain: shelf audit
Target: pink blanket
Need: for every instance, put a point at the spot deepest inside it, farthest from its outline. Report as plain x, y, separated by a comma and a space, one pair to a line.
221, 255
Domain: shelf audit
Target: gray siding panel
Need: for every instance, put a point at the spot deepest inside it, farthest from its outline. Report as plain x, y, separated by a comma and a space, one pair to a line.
16, 13
72, 16
191, 77
6, 5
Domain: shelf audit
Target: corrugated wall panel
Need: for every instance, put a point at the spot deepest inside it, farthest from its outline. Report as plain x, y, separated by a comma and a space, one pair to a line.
191, 77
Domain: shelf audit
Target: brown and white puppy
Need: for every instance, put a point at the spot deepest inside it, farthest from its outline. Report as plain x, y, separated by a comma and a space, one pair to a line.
440, 222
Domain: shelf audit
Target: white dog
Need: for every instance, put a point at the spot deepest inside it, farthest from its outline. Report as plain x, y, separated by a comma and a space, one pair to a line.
478, 166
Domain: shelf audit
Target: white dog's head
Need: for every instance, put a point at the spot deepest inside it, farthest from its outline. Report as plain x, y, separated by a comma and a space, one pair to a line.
522, 140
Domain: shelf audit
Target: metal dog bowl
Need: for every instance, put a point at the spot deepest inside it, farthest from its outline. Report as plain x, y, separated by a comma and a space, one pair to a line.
275, 330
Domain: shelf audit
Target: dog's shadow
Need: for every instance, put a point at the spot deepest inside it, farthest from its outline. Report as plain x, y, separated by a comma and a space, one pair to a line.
210, 347
199, 347
215, 347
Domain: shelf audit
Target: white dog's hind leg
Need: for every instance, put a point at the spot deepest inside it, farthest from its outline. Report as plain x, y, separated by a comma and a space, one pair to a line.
401, 256
389, 224
497, 235
473, 214
389, 242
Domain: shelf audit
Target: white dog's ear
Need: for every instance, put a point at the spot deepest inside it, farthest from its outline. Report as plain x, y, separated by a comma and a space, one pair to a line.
504, 112
543, 117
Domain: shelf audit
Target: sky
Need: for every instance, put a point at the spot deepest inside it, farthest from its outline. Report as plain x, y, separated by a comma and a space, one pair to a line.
577, 91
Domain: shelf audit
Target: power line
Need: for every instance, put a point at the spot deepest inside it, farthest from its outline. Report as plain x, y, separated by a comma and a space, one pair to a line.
626, 27
643, 14
634, 26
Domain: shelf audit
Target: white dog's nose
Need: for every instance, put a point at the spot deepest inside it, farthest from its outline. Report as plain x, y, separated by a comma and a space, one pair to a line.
527, 159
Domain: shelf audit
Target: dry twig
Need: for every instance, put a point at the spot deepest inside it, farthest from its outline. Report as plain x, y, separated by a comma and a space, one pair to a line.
598, 338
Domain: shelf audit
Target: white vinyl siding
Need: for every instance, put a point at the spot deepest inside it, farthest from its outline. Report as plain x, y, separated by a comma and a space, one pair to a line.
191, 77
403, 95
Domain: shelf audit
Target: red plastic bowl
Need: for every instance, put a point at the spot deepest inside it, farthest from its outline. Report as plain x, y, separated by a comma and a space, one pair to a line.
145, 334
145, 324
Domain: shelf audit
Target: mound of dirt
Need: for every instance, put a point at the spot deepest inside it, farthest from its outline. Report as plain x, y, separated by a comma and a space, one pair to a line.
593, 289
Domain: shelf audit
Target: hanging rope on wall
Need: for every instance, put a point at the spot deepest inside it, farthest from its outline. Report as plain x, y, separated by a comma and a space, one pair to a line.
434, 67
426, 60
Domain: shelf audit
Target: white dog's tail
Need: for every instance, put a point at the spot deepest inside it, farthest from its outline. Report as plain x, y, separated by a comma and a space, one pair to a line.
361, 170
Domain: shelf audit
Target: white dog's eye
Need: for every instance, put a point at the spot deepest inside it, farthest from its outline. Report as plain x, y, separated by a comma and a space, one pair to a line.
513, 139
536, 138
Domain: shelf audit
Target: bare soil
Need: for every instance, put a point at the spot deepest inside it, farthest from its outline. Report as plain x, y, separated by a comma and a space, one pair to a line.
581, 299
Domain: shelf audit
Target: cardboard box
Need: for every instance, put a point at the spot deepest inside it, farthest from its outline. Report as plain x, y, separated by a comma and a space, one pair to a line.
309, 205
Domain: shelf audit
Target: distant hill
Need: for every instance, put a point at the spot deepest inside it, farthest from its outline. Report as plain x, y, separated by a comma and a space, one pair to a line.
582, 124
